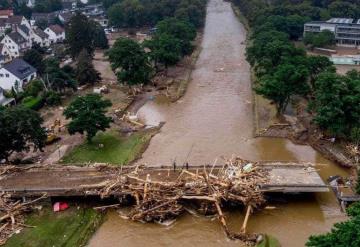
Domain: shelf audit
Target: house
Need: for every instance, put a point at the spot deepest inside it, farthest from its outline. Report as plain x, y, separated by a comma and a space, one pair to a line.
6, 13
346, 30
2, 60
40, 37
5, 53
16, 74
65, 17
12, 22
28, 3
15, 43
26, 33
104, 22
3, 100
17, 20
69, 5
56, 33
47, 17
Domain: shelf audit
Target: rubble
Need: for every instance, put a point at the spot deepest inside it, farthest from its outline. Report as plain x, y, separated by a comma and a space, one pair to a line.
12, 215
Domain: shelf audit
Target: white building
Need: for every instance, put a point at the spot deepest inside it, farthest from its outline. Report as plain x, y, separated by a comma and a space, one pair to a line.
26, 33
56, 33
12, 22
17, 20
16, 74
15, 43
40, 37
4, 51
346, 30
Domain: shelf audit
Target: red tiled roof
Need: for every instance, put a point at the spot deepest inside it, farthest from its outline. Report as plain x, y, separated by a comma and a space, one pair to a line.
8, 12
56, 29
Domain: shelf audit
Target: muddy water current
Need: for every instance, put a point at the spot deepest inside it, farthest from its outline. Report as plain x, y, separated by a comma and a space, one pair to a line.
215, 118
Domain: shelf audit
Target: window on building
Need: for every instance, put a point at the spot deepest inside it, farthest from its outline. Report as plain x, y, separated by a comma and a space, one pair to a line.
7, 75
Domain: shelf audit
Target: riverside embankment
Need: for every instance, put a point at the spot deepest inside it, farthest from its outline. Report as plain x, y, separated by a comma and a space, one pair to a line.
214, 118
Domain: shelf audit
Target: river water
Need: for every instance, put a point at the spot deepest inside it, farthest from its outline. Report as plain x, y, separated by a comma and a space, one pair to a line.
215, 118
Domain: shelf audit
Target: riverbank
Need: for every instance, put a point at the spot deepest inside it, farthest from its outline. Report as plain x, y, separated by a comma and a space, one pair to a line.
70, 228
111, 147
296, 126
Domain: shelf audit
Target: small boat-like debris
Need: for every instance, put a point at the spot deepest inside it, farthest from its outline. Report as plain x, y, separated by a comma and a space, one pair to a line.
343, 190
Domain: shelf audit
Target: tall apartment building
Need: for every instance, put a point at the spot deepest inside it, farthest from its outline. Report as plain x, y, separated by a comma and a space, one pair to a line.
346, 30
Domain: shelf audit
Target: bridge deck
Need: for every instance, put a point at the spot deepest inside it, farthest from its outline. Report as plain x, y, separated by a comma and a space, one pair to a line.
57, 181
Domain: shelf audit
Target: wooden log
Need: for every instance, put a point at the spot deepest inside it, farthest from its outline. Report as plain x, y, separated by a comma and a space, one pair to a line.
221, 216
107, 206
248, 211
206, 198
146, 186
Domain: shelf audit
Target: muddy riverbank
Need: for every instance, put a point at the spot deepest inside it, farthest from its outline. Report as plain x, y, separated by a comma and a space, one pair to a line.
215, 118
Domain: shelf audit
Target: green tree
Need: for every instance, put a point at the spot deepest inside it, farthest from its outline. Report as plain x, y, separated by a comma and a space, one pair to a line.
184, 31
127, 13
336, 102
85, 71
287, 80
20, 129
164, 49
87, 115
130, 62
317, 65
58, 79
47, 6
35, 59
322, 39
343, 8
192, 14
24, 10
269, 49
79, 35
328, 103
99, 37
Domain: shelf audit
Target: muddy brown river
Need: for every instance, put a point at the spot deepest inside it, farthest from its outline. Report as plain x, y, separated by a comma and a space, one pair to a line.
215, 118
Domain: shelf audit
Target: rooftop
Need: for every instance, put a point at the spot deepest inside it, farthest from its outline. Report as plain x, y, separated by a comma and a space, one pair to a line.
40, 33
19, 68
340, 20
25, 29
16, 37
56, 29
15, 19
7, 12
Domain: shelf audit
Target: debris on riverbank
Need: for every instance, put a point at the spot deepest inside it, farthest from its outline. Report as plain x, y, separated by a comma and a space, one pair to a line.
161, 198
12, 215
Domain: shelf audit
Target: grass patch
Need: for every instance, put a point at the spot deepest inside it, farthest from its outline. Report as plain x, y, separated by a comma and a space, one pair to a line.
119, 150
70, 228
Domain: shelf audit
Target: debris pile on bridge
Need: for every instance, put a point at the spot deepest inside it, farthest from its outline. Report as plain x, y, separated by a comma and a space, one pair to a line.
12, 215
237, 181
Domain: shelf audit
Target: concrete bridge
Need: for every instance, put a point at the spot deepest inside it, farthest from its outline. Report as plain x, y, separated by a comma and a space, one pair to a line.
60, 180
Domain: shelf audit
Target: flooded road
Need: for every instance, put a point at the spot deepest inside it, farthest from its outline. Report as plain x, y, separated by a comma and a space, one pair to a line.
215, 118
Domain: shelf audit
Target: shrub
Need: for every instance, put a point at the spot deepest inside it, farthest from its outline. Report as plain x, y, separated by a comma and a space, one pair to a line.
52, 98
34, 103
34, 88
